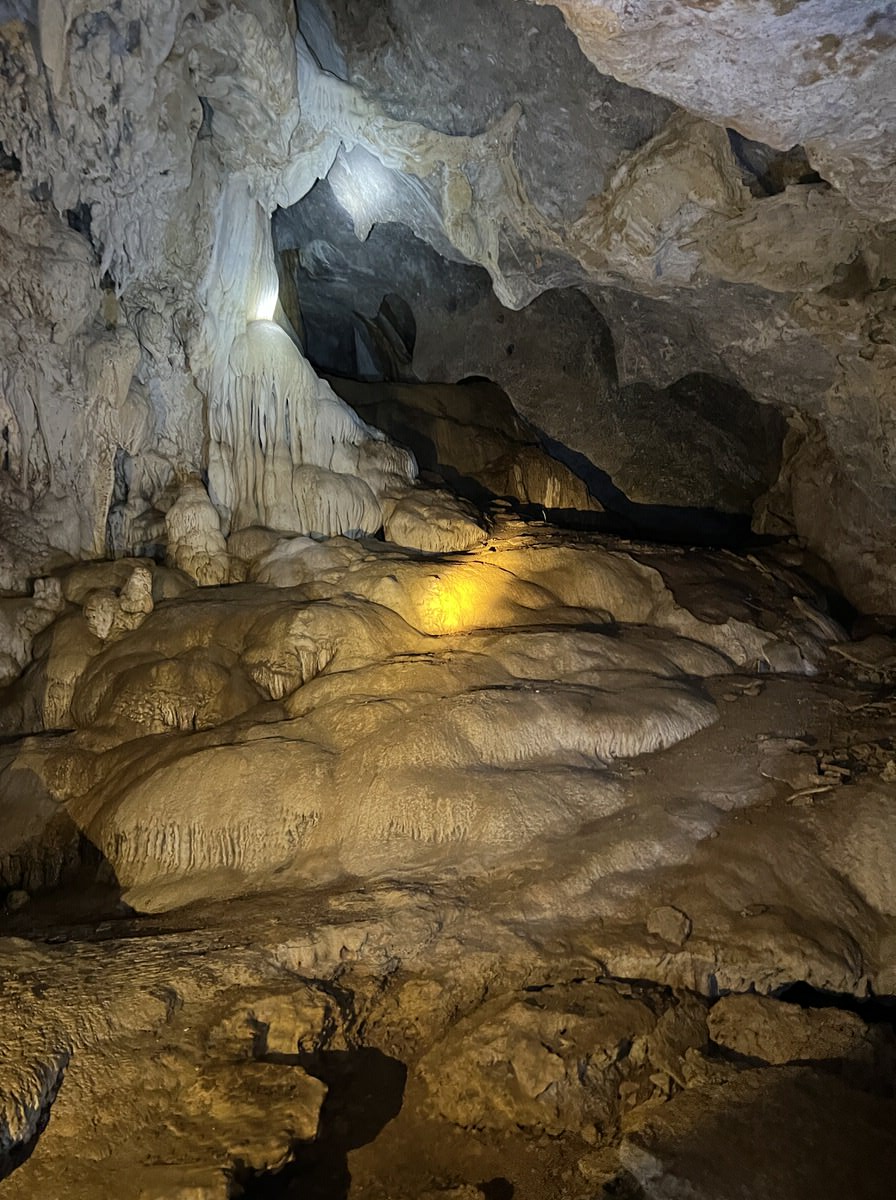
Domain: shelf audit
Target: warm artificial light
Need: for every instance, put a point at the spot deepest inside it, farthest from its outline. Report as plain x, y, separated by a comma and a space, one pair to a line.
455, 601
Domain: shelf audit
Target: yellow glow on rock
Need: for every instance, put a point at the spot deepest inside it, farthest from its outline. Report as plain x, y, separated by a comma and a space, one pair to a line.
455, 601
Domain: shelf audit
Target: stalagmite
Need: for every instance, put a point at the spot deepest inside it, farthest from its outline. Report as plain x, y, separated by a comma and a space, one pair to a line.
196, 544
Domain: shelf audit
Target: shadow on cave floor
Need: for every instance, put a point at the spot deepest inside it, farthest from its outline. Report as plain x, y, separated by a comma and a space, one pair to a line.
83, 902
663, 523
705, 527
873, 1009
365, 1091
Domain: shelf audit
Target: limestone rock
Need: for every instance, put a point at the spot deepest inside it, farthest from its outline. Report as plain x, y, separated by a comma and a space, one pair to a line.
669, 223
780, 102
242, 1101
670, 923
298, 560
759, 1027
694, 440
21, 620
252, 542
862, 849
689, 222
433, 521
196, 544
64, 385
539, 64
434, 798
220, 1114
473, 438
109, 614
535, 1062
680, 1031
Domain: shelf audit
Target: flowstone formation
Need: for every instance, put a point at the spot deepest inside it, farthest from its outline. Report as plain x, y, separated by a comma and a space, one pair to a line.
447, 737
379, 815
388, 679
140, 350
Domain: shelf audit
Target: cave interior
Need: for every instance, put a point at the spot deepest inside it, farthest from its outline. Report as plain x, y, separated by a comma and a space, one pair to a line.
447, 592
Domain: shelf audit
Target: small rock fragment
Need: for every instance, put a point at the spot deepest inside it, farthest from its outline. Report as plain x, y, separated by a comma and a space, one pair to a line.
669, 923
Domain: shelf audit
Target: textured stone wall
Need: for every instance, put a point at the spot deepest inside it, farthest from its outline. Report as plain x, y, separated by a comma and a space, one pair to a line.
128, 130
765, 266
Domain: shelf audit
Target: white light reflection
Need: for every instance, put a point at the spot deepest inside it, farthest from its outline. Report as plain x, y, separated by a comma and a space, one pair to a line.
364, 188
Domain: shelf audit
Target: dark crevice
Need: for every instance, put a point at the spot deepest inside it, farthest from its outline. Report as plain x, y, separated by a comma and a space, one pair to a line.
9, 162
623, 1187
664, 523
874, 1010
80, 220
70, 891
205, 129
496, 1189
115, 532
365, 1091
768, 172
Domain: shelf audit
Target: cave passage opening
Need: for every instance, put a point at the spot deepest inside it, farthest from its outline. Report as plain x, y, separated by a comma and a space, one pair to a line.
524, 406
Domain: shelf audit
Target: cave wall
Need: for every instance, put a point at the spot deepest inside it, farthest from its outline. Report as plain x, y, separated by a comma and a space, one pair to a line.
700, 442
812, 72
764, 264
551, 156
147, 145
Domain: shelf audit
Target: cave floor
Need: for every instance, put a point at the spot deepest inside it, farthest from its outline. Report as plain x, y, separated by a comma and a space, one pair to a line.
597, 898
396, 962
